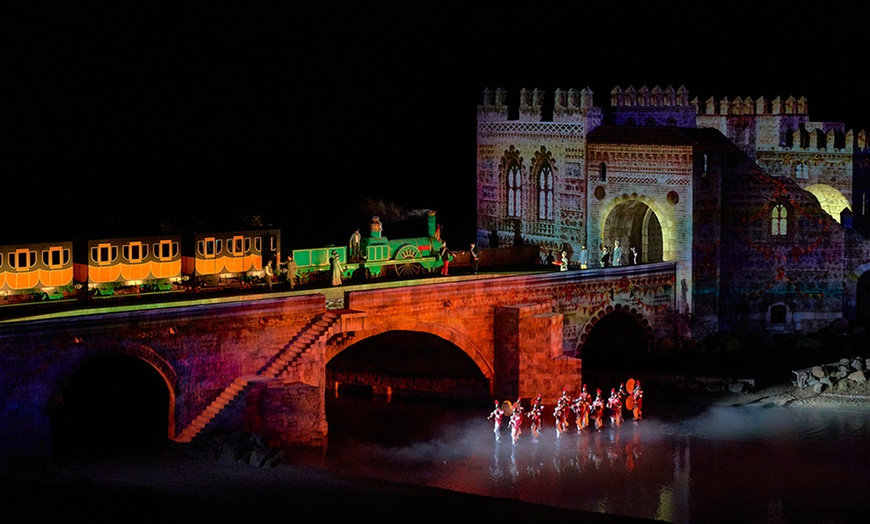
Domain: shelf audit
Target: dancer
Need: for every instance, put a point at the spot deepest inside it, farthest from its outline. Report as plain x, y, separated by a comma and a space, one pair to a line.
614, 406
563, 404
622, 394
496, 417
637, 396
598, 410
535, 415
516, 422
582, 405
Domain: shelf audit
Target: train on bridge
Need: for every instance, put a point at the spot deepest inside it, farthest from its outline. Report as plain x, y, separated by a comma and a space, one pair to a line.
234, 260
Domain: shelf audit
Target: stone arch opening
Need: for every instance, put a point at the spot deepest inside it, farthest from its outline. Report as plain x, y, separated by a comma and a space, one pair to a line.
831, 199
407, 362
111, 404
615, 340
635, 224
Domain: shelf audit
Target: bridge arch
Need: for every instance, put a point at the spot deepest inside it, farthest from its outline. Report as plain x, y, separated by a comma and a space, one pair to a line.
94, 387
640, 221
614, 334
447, 334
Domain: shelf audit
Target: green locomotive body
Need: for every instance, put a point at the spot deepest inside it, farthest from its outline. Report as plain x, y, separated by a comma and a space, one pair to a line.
379, 256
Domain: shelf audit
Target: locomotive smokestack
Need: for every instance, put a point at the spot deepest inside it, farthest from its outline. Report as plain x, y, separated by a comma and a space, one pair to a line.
375, 227
432, 225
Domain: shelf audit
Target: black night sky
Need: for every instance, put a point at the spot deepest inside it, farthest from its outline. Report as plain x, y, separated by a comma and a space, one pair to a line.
117, 119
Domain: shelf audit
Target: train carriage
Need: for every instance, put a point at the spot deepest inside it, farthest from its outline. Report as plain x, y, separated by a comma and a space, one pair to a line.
42, 271
132, 264
218, 259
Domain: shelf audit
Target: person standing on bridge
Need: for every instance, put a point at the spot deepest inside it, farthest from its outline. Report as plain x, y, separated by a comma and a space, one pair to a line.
291, 271
563, 262
605, 257
475, 258
616, 256
267, 275
446, 255
335, 264
354, 246
584, 257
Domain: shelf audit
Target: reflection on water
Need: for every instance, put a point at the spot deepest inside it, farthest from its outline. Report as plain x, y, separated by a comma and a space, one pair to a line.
726, 464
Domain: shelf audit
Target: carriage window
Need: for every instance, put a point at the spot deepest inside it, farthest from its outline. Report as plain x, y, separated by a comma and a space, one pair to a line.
55, 257
104, 253
166, 249
135, 251
209, 247
22, 259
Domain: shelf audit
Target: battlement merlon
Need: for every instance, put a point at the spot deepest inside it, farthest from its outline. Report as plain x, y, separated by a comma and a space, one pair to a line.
568, 105
645, 97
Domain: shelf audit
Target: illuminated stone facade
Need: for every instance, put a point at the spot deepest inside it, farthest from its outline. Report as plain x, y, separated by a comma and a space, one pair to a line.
759, 242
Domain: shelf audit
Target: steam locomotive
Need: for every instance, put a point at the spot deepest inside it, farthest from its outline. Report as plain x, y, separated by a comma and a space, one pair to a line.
378, 256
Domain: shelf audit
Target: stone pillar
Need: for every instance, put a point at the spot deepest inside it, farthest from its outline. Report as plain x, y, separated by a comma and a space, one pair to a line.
529, 359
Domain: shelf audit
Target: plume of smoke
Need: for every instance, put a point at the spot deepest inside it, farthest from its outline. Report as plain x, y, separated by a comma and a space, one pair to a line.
390, 211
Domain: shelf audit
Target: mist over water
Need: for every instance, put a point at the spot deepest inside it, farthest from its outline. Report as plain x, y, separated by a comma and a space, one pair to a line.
724, 464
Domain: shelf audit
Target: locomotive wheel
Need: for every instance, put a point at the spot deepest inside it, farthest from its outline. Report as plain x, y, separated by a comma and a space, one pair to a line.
407, 255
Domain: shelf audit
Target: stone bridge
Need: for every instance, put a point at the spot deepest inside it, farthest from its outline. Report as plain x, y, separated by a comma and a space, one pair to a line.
259, 362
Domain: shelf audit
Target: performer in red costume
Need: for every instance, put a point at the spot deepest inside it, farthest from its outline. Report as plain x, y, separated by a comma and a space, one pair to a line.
614, 406
516, 422
582, 405
598, 410
637, 397
535, 414
563, 404
496, 416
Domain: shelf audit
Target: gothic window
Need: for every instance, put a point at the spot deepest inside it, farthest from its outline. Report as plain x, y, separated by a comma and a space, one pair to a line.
801, 171
514, 191
779, 221
602, 172
545, 192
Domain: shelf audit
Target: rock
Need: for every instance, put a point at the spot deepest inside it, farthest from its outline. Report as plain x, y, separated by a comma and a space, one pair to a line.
857, 376
818, 387
857, 363
818, 372
737, 387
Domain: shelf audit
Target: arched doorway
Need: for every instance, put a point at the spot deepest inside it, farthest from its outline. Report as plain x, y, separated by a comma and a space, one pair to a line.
636, 225
617, 342
113, 404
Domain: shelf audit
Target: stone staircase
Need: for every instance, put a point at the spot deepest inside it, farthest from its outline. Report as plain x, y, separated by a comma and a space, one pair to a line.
283, 359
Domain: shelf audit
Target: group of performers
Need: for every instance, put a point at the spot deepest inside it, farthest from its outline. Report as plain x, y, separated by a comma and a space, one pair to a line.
586, 409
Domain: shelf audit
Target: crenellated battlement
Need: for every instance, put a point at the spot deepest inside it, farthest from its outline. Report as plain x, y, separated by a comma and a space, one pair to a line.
568, 105
645, 97
759, 106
